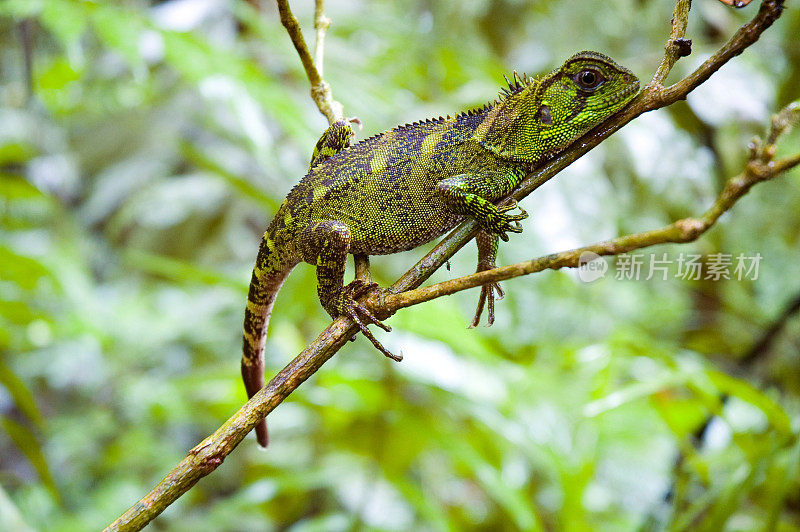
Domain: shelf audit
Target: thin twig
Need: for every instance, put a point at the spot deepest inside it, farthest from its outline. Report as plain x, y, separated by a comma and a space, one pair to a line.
680, 18
320, 89
321, 24
210, 453
292, 26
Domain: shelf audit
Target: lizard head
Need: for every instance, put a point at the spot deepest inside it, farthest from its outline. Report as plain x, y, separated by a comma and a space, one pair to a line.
541, 117
588, 88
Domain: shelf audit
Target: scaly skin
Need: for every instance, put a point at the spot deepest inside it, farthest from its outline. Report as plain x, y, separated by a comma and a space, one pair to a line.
413, 183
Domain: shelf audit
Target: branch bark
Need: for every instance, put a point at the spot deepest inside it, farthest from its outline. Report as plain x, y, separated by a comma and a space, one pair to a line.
210, 453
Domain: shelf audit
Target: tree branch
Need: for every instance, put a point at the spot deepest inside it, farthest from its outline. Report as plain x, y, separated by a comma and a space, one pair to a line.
320, 89
210, 453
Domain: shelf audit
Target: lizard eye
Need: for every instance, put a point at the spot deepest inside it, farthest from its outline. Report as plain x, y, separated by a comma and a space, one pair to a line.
589, 78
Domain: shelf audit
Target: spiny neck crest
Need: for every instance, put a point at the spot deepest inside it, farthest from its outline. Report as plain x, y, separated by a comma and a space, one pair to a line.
516, 84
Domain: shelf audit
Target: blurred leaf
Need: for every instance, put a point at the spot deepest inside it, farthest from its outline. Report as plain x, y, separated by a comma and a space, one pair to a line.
682, 415
180, 271
13, 187
786, 480
727, 502
430, 512
632, 392
238, 183
66, 19
10, 516
14, 152
56, 84
27, 442
20, 270
21, 8
746, 392
20, 393
515, 502
120, 29
17, 312
197, 60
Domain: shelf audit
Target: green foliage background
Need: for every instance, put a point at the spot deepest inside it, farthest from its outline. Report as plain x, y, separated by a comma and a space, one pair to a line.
159, 138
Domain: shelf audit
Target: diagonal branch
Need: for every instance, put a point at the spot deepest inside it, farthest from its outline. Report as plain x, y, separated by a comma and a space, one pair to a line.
651, 98
210, 453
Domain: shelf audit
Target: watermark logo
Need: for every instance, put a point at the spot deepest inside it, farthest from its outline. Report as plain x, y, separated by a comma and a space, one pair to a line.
687, 266
591, 267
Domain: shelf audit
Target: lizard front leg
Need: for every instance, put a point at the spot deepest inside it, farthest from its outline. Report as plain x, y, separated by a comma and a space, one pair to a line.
469, 194
325, 244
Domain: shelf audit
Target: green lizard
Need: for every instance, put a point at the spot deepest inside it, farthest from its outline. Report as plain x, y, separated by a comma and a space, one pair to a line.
405, 187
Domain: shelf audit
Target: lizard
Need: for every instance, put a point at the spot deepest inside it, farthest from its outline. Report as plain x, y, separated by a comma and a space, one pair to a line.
409, 185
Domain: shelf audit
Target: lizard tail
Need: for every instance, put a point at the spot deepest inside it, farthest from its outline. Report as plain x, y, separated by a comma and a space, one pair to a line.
268, 277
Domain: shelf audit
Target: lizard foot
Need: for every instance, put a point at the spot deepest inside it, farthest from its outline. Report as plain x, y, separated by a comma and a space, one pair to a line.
508, 222
355, 310
489, 292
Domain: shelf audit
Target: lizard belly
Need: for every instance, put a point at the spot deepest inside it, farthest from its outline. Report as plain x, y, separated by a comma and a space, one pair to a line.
392, 231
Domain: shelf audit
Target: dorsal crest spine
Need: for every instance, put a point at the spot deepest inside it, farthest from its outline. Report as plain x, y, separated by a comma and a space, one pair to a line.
515, 84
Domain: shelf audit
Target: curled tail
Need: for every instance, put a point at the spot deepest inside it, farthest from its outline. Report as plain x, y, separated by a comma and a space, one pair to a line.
268, 276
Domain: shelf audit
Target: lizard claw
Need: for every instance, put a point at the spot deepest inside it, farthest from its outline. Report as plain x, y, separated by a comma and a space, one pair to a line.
356, 310
509, 222
489, 292
359, 288
510, 207
516, 227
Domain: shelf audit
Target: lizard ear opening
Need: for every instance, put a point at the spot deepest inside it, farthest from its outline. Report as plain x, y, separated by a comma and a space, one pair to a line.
545, 116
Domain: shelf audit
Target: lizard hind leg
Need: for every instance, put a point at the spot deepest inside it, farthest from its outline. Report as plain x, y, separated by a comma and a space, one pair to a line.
325, 244
487, 254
